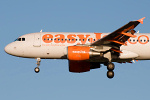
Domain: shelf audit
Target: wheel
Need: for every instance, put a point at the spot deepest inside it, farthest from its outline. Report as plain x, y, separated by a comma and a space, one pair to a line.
37, 69
110, 66
110, 74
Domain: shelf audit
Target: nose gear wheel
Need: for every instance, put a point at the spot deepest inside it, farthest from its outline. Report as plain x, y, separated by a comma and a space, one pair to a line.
37, 69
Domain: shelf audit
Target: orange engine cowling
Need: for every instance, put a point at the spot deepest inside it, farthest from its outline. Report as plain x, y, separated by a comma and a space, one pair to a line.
78, 53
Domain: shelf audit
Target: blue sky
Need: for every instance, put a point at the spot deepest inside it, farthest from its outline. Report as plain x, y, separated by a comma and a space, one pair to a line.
18, 80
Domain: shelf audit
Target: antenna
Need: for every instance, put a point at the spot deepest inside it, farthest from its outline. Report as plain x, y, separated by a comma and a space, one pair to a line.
138, 31
41, 30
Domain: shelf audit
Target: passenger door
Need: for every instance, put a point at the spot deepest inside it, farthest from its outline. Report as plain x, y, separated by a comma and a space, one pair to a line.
37, 40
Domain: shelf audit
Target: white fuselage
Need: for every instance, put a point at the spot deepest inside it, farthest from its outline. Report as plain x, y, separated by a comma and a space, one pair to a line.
53, 45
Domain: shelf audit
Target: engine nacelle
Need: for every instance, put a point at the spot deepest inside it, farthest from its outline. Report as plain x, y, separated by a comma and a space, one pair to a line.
78, 53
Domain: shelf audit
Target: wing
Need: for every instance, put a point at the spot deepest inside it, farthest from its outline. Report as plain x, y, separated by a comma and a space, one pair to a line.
120, 36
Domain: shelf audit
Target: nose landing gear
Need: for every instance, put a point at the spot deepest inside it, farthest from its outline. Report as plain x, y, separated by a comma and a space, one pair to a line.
37, 69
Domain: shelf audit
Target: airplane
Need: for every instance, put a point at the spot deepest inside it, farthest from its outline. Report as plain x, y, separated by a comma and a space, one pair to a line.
85, 51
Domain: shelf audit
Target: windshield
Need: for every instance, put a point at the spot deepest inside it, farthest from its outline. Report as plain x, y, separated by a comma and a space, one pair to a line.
20, 39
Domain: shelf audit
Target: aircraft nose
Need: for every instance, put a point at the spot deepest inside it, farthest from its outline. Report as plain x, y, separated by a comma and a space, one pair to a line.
13, 49
7, 49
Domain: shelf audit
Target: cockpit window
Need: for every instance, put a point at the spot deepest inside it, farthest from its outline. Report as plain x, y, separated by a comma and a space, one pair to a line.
23, 39
20, 39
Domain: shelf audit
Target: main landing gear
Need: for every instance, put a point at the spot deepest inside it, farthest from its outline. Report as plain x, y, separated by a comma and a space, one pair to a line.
110, 72
37, 69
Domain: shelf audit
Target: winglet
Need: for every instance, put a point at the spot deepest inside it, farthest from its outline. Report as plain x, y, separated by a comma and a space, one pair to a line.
141, 20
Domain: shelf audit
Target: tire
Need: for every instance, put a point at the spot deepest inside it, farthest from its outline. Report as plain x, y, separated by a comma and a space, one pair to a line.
110, 74
37, 69
110, 66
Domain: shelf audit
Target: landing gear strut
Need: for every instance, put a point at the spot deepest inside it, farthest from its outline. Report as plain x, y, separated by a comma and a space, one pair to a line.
110, 67
37, 69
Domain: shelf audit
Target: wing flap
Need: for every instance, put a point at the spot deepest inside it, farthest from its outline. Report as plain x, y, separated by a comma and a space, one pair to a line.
128, 34
118, 42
